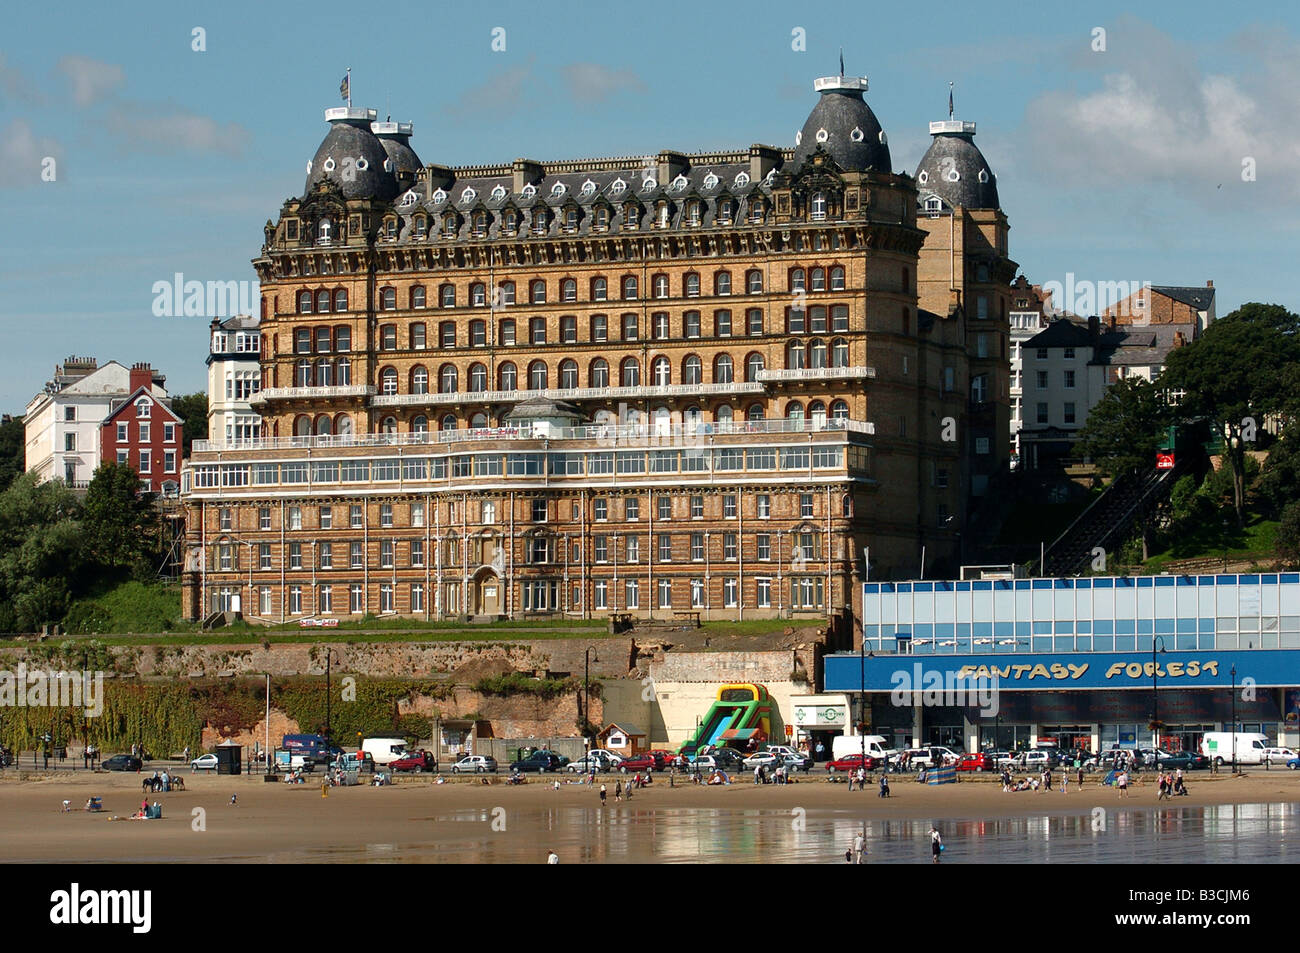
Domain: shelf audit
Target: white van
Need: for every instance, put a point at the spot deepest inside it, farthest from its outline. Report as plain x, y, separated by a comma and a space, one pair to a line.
384, 750
877, 746
1250, 747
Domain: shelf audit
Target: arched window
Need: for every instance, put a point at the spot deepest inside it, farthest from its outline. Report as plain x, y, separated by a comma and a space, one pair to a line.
794, 356
341, 299
794, 411
322, 302
599, 376
837, 278
754, 281
818, 206
417, 297
388, 381
419, 380
302, 426
477, 378
343, 425
662, 371
726, 211
537, 375
723, 414
753, 366
448, 422
839, 410
568, 374
723, 371
817, 353
537, 292
630, 372
797, 279
755, 412
599, 289
507, 376
840, 353
447, 296
324, 425
507, 292
388, 425
447, 379
539, 221
629, 288
692, 370
817, 414
569, 290
304, 302
722, 283
420, 424
478, 421
388, 299
692, 285
818, 279
479, 222
478, 295
756, 211
302, 374
660, 286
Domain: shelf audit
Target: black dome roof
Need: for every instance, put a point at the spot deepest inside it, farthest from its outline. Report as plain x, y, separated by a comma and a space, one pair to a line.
352, 157
954, 169
395, 137
845, 127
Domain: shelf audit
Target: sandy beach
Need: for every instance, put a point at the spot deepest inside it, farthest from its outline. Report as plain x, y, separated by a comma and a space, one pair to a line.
466, 820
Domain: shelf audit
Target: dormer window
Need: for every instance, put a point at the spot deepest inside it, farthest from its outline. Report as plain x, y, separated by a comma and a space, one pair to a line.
741, 180
480, 224
529, 191
648, 184
469, 195
539, 221
756, 212
439, 197
589, 187
498, 193
818, 207
631, 216
679, 183
710, 181
421, 227
558, 189
571, 219
693, 213
602, 218
726, 211
409, 198
142, 407
511, 221
933, 205
449, 225
390, 229
661, 219
617, 187
324, 230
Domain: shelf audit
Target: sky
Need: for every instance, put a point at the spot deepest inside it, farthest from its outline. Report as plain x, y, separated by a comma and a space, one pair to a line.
142, 140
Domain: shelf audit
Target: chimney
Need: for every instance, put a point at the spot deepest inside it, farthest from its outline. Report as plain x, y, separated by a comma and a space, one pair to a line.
1094, 329
141, 376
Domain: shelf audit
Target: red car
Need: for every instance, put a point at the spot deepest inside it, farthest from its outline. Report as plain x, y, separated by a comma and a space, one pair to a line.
415, 761
640, 762
978, 761
851, 763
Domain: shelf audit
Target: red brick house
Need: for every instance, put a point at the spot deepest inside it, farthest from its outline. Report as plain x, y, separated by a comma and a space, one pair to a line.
142, 431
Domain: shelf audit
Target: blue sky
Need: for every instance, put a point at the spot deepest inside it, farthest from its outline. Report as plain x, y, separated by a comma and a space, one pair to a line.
1122, 164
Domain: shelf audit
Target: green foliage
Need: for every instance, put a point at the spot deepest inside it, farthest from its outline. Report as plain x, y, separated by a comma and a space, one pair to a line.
41, 558
1279, 480
128, 607
1126, 427
1288, 535
193, 410
374, 712
120, 524
1240, 369
517, 683
13, 450
414, 728
1182, 497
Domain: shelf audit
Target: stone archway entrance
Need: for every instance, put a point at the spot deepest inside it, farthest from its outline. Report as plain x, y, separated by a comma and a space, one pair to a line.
487, 597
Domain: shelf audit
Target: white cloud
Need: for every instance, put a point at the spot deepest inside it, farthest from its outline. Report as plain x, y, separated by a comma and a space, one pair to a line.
500, 94
14, 86
1158, 118
22, 153
592, 82
169, 129
90, 79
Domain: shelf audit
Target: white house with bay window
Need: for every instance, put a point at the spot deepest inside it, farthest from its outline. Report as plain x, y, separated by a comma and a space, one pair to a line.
234, 376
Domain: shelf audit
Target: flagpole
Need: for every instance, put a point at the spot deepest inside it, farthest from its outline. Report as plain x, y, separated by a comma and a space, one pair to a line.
349, 87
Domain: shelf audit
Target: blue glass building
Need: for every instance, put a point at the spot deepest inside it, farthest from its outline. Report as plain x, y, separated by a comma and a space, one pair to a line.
1079, 660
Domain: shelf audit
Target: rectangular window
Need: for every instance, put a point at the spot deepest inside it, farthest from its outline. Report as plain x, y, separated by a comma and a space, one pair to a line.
631, 508
356, 558
601, 597
295, 555
600, 548
356, 517
417, 552
121, 433
599, 328
764, 587
326, 597
225, 520
356, 598
295, 600
386, 597
264, 518
764, 506
386, 514
1069, 412
730, 546
632, 594
264, 600
1069, 379
691, 321
295, 517
697, 593
633, 548
805, 505
664, 505
569, 330
1042, 413
729, 506
665, 548
763, 543
417, 597
730, 592
144, 460
629, 327
665, 593
539, 511
326, 517
722, 324
697, 547
537, 330
169, 461
326, 556
386, 554
264, 556
697, 507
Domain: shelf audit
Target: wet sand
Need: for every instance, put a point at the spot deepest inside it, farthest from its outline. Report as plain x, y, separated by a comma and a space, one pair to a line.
464, 820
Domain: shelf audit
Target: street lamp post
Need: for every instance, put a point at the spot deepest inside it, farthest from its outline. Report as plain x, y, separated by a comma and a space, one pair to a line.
1157, 644
1234, 719
862, 696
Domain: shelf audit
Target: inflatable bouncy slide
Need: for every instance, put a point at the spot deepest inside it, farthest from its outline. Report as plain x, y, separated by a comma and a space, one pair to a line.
742, 712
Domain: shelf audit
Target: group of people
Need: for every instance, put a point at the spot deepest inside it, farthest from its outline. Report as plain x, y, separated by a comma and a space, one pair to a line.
780, 775
1171, 784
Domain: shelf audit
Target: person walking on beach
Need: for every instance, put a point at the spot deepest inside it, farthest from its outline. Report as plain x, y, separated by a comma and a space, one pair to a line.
859, 846
618, 790
1122, 783
1080, 766
884, 785
853, 776
552, 857
602, 795
936, 844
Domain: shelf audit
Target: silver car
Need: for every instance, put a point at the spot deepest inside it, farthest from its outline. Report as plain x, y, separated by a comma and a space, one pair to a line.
475, 764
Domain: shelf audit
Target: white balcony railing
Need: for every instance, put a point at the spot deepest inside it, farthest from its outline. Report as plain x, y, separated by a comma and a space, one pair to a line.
310, 393
817, 374
612, 433
567, 393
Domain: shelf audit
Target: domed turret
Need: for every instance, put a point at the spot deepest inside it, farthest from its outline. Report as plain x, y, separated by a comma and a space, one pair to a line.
395, 137
352, 157
954, 169
844, 126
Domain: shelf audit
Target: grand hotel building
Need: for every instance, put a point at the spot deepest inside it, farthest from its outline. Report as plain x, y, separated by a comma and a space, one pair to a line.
685, 383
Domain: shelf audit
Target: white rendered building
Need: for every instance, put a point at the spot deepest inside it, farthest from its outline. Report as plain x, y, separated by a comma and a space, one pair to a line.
234, 376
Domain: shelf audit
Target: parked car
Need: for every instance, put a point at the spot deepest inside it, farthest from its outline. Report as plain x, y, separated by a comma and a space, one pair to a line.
1034, 761
475, 764
766, 760
1293, 764
728, 759
851, 762
666, 757
597, 758
706, 764
1278, 755
976, 761
797, 762
415, 761
123, 762
539, 761
917, 758
204, 762
638, 762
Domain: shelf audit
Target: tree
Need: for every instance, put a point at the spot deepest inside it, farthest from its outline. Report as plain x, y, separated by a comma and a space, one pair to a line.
1234, 374
1279, 481
1126, 427
41, 562
193, 410
121, 526
1288, 535
13, 449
